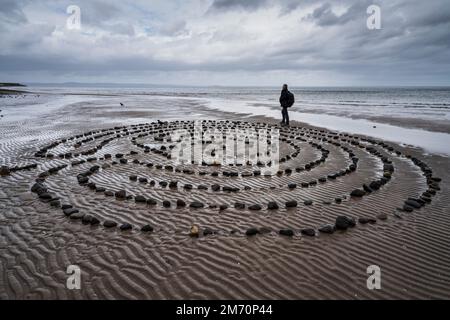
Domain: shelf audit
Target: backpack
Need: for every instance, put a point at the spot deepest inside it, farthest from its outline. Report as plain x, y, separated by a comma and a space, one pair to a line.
291, 99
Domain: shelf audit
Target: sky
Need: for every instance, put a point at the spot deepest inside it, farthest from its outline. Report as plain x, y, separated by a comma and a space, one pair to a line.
226, 42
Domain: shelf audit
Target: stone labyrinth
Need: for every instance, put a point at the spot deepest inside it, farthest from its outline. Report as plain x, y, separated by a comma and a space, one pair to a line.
125, 178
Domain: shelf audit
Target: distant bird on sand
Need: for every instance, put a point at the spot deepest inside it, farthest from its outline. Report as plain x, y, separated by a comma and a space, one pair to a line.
122, 105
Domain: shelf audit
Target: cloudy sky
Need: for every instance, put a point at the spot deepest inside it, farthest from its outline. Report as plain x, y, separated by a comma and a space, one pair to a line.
226, 42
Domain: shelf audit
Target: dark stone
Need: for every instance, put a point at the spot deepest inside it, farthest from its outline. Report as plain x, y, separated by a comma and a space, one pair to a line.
292, 185
343, 223
188, 186
181, 203
202, 187
68, 212
338, 200
291, 204
251, 232
207, 232
86, 219
308, 202
173, 184
151, 202
382, 216
239, 205
133, 178
363, 220
109, 224
55, 203
413, 203
264, 230
5, 171
143, 180
77, 216
147, 228
109, 193
126, 226
328, 228
166, 204
94, 221
367, 188
223, 207
407, 208
121, 194
215, 187
286, 232
272, 205
255, 207
196, 205
140, 199
357, 193
308, 232
66, 206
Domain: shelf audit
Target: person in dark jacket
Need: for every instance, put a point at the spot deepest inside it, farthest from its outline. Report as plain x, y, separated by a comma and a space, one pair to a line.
286, 101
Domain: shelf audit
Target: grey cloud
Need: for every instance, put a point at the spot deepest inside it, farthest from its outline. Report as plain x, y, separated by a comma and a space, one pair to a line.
237, 4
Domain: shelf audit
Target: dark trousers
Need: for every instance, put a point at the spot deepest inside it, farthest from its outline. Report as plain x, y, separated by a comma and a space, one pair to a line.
284, 113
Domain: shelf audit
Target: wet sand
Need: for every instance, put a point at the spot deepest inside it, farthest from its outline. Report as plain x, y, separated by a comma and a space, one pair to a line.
38, 241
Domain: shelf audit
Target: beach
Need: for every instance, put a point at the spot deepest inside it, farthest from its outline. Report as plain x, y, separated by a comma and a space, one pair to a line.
38, 241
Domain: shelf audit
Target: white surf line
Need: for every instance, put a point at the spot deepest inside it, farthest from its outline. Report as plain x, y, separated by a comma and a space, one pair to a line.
433, 142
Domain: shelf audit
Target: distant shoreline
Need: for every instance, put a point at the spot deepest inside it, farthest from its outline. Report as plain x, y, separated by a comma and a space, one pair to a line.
10, 91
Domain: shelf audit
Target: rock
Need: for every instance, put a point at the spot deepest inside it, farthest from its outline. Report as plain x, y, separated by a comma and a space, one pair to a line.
388, 167
407, 208
143, 180
133, 178
109, 224
308, 202
173, 184
126, 226
188, 186
109, 193
251, 232
86, 219
77, 216
121, 194
375, 185
338, 200
147, 228
207, 232
194, 231
55, 203
166, 204
196, 205
413, 203
328, 228
82, 179
272, 205
215, 187
308, 232
239, 205
140, 199
357, 193
343, 223
66, 206
382, 216
223, 207
94, 221
202, 187
292, 185
367, 188
4, 171
264, 230
151, 202
70, 211
291, 204
363, 220
255, 207
181, 203
286, 232
38, 188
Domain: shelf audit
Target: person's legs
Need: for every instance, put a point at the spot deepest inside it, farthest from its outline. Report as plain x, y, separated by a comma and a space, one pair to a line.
286, 116
283, 113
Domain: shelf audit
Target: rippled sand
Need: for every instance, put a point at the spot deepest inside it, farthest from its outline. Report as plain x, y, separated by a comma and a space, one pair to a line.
38, 242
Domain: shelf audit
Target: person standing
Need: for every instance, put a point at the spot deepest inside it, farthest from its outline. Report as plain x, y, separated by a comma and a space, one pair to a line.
286, 101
